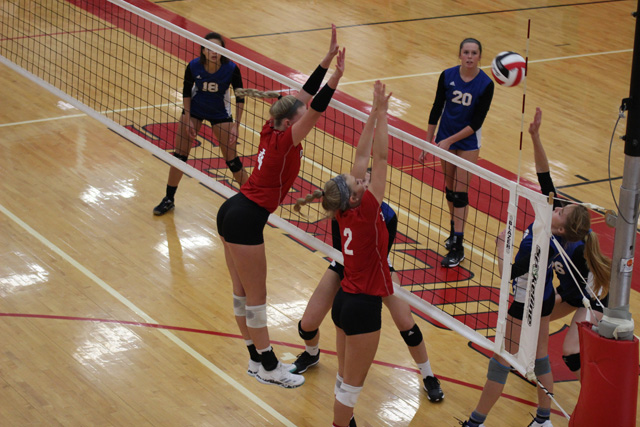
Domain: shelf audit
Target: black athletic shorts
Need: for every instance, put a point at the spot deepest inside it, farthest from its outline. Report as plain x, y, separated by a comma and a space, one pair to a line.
357, 313
516, 309
214, 121
242, 221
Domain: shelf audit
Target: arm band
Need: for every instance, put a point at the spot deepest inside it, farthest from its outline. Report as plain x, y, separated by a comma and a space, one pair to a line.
322, 99
315, 80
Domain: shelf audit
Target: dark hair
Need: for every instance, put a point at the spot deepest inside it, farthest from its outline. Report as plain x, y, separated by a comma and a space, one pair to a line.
213, 36
470, 40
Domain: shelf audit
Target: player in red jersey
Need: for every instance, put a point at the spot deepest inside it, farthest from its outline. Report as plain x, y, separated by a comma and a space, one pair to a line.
242, 218
357, 306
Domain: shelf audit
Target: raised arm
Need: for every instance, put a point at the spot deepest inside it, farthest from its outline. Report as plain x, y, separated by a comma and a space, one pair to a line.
320, 102
314, 81
363, 149
539, 155
380, 148
542, 163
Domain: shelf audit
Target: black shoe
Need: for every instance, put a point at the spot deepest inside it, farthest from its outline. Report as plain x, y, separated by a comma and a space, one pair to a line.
432, 387
165, 206
304, 362
453, 258
352, 422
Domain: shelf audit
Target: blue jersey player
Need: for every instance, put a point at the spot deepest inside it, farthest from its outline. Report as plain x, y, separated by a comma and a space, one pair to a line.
462, 101
206, 96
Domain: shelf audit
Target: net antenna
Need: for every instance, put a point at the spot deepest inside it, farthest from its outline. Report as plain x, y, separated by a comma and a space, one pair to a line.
124, 66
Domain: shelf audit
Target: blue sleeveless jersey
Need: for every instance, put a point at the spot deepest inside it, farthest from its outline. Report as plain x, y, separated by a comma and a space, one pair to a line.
519, 284
562, 269
461, 100
210, 98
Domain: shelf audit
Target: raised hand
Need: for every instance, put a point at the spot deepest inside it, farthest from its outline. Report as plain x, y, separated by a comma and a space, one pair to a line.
333, 46
380, 98
337, 74
534, 127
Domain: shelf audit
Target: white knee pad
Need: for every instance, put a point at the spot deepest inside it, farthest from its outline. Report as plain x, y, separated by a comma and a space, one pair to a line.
348, 395
239, 306
257, 316
338, 384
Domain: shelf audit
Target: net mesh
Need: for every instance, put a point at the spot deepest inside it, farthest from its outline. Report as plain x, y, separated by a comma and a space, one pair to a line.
129, 67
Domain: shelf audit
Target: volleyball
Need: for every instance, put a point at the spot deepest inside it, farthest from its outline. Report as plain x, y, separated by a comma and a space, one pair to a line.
508, 68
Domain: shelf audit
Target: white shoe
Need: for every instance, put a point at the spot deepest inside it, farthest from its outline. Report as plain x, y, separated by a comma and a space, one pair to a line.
252, 370
534, 423
280, 376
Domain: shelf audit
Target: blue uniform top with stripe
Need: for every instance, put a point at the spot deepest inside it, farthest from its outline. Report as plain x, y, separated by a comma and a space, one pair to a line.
522, 259
462, 99
210, 99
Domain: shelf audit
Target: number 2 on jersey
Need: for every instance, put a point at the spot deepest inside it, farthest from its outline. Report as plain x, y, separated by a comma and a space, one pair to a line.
349, 235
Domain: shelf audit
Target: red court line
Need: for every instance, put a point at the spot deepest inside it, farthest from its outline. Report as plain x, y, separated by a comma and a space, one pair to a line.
236, 336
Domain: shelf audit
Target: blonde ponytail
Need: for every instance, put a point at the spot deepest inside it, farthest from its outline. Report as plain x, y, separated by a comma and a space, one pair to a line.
255, 93
309, 197
599, 264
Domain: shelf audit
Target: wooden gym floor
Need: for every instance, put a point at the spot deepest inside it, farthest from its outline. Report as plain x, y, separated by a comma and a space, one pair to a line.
111, 316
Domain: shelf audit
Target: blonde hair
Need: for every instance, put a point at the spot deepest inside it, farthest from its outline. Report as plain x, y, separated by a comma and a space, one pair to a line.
331, 198
283, 108
599, 264
578, 227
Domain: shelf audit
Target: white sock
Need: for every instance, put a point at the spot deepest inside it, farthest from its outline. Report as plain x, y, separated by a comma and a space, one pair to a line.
248, 342
425, 369
313, 350
264, 350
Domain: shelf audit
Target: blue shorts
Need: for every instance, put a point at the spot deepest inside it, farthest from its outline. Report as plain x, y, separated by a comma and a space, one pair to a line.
465, 145
212, 121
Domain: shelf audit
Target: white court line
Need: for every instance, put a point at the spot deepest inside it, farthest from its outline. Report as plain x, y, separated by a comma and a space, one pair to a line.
184, 346
73, 116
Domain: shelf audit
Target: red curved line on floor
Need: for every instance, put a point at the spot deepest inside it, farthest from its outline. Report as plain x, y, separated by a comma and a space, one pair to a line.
282, 343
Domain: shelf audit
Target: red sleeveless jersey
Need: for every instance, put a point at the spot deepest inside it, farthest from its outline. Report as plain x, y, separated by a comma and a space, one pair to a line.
364, 246
277, 168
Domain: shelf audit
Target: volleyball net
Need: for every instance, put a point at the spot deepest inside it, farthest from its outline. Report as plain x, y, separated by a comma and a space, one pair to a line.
124, 67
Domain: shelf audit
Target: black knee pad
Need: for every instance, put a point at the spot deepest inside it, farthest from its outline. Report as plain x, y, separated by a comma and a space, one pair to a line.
572, 361
304, 334
448, 194
412, 337
234, 165
180, 156
460, 199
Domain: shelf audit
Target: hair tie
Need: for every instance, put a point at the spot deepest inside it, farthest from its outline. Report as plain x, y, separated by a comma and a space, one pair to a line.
322, 193
279, 97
